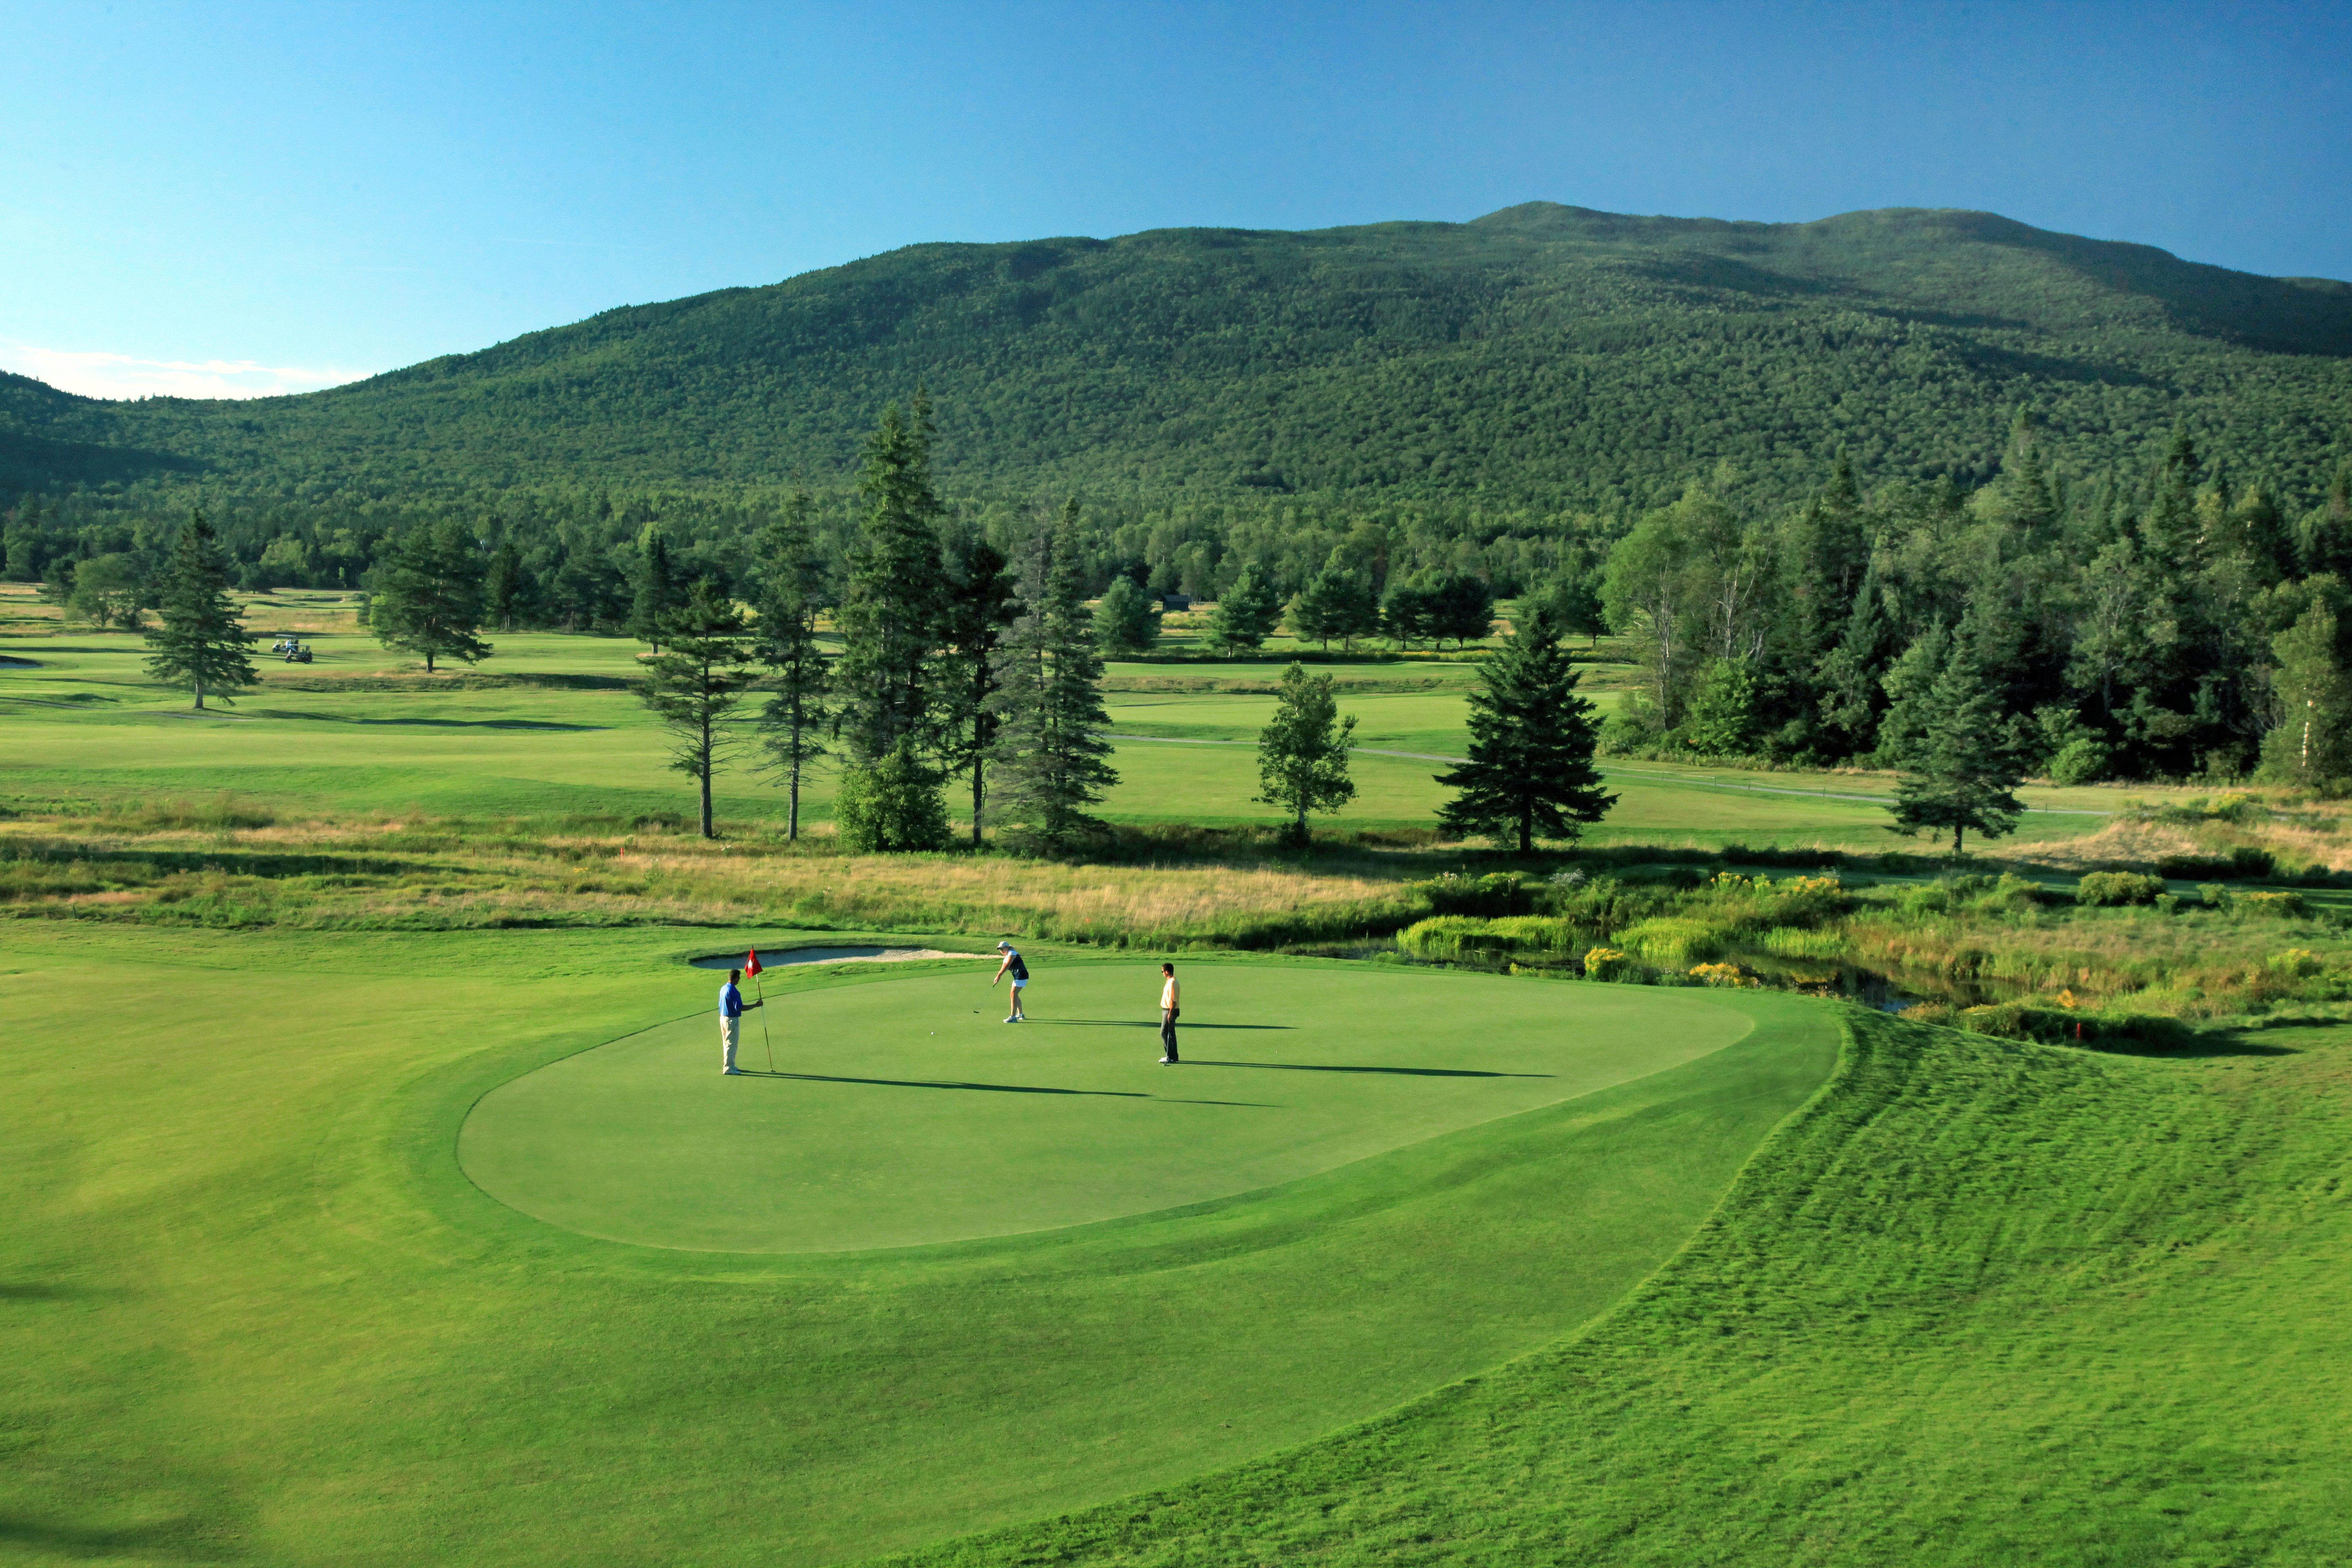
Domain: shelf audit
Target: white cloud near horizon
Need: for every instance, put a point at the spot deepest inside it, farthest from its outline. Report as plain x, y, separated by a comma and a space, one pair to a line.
113, 375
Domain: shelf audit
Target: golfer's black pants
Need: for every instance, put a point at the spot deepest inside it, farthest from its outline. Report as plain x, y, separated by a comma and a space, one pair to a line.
1168, 1033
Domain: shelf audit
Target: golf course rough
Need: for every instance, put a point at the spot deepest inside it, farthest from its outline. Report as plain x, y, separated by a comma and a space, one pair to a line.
909, 1112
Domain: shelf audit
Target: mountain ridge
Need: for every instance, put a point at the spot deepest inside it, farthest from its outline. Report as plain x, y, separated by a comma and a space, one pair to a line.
1410, 358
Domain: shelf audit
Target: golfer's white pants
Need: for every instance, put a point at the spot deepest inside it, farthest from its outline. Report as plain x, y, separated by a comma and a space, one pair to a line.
729, 1029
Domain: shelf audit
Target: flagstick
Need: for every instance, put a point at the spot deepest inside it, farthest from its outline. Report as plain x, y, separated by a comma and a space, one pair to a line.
766, 1038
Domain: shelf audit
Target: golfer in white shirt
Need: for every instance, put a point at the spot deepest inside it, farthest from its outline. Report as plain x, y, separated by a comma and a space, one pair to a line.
1171, 1004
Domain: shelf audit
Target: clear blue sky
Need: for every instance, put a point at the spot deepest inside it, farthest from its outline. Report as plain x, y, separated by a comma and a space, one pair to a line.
317, 190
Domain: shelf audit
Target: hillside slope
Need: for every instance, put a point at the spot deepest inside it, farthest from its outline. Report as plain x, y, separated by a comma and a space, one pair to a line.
1543, 354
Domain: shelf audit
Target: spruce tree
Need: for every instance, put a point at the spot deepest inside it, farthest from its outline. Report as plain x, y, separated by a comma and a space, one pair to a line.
694, 685
981, 606
793, 721
1302, 754
1531, 772
1049, 757
506, 590
657, 595
428, 595
893, 600
1960, 774
1247, 613
200, 640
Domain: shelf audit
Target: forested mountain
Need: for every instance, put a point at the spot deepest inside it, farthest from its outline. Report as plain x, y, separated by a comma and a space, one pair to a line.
1544, 358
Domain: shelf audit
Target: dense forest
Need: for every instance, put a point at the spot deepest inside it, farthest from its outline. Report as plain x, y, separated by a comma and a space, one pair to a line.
1543, 358
1804, 466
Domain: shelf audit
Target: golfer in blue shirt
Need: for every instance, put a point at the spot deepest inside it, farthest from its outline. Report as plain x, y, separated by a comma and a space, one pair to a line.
730, 1020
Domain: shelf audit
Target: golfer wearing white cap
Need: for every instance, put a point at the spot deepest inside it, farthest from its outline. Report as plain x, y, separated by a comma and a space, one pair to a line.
1020, 973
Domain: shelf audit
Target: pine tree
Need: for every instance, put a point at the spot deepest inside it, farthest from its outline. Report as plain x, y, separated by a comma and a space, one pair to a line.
981, 606
1910, 687
201, 641
1531, 772
893, 600
1247, 613
1302, 754
793, 721
694, 685
657, 595
1127, 619
1049, 756
1408, 613
2311, 745
1960, 774
428, 596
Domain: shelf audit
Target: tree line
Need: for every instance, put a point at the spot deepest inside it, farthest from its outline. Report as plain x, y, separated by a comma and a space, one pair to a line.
958, 667
2176, 623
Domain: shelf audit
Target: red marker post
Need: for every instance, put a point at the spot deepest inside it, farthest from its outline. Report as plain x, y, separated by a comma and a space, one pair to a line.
751, 971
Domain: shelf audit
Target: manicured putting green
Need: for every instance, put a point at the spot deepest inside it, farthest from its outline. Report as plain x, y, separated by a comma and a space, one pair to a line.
904, 1110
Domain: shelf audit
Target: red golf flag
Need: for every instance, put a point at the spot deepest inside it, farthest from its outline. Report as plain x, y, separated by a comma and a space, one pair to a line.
752, 965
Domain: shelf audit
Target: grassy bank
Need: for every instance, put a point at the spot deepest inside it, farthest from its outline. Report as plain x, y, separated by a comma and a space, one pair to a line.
1986, 1304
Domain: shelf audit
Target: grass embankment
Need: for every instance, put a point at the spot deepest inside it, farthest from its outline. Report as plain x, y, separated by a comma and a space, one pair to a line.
252, 1309
1985, 1304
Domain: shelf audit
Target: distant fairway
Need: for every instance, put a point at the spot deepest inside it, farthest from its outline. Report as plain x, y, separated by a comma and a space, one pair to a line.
905, 1111
554, 731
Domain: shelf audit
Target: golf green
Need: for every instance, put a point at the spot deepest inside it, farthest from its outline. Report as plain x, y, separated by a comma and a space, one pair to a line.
907, 1111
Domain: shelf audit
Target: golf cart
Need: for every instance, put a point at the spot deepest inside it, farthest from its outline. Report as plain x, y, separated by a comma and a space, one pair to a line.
297, 654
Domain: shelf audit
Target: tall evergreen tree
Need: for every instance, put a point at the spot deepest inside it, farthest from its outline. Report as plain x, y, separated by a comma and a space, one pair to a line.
1302, 753
1248, 612
506, 590
1960, 774
1531, 769
200, 640
893, 600
980, 607
694, 685
1850, 678
1049, 757
792, 595
428, 596
659, 594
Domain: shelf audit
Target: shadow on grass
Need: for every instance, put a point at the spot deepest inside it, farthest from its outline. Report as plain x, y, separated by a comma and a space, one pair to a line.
1398, 1072
1144, 1024
999, 1088
426, 723
188, 1539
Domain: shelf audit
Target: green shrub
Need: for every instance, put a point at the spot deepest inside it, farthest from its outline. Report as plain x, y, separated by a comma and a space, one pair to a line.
1794, 941
1674, 942
1501, 893
893, 805
2103, 888
1610, 964
2081, 761
1447, 938
2279, 906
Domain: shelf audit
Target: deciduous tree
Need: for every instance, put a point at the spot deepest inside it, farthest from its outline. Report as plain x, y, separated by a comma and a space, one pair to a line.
1302, 754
